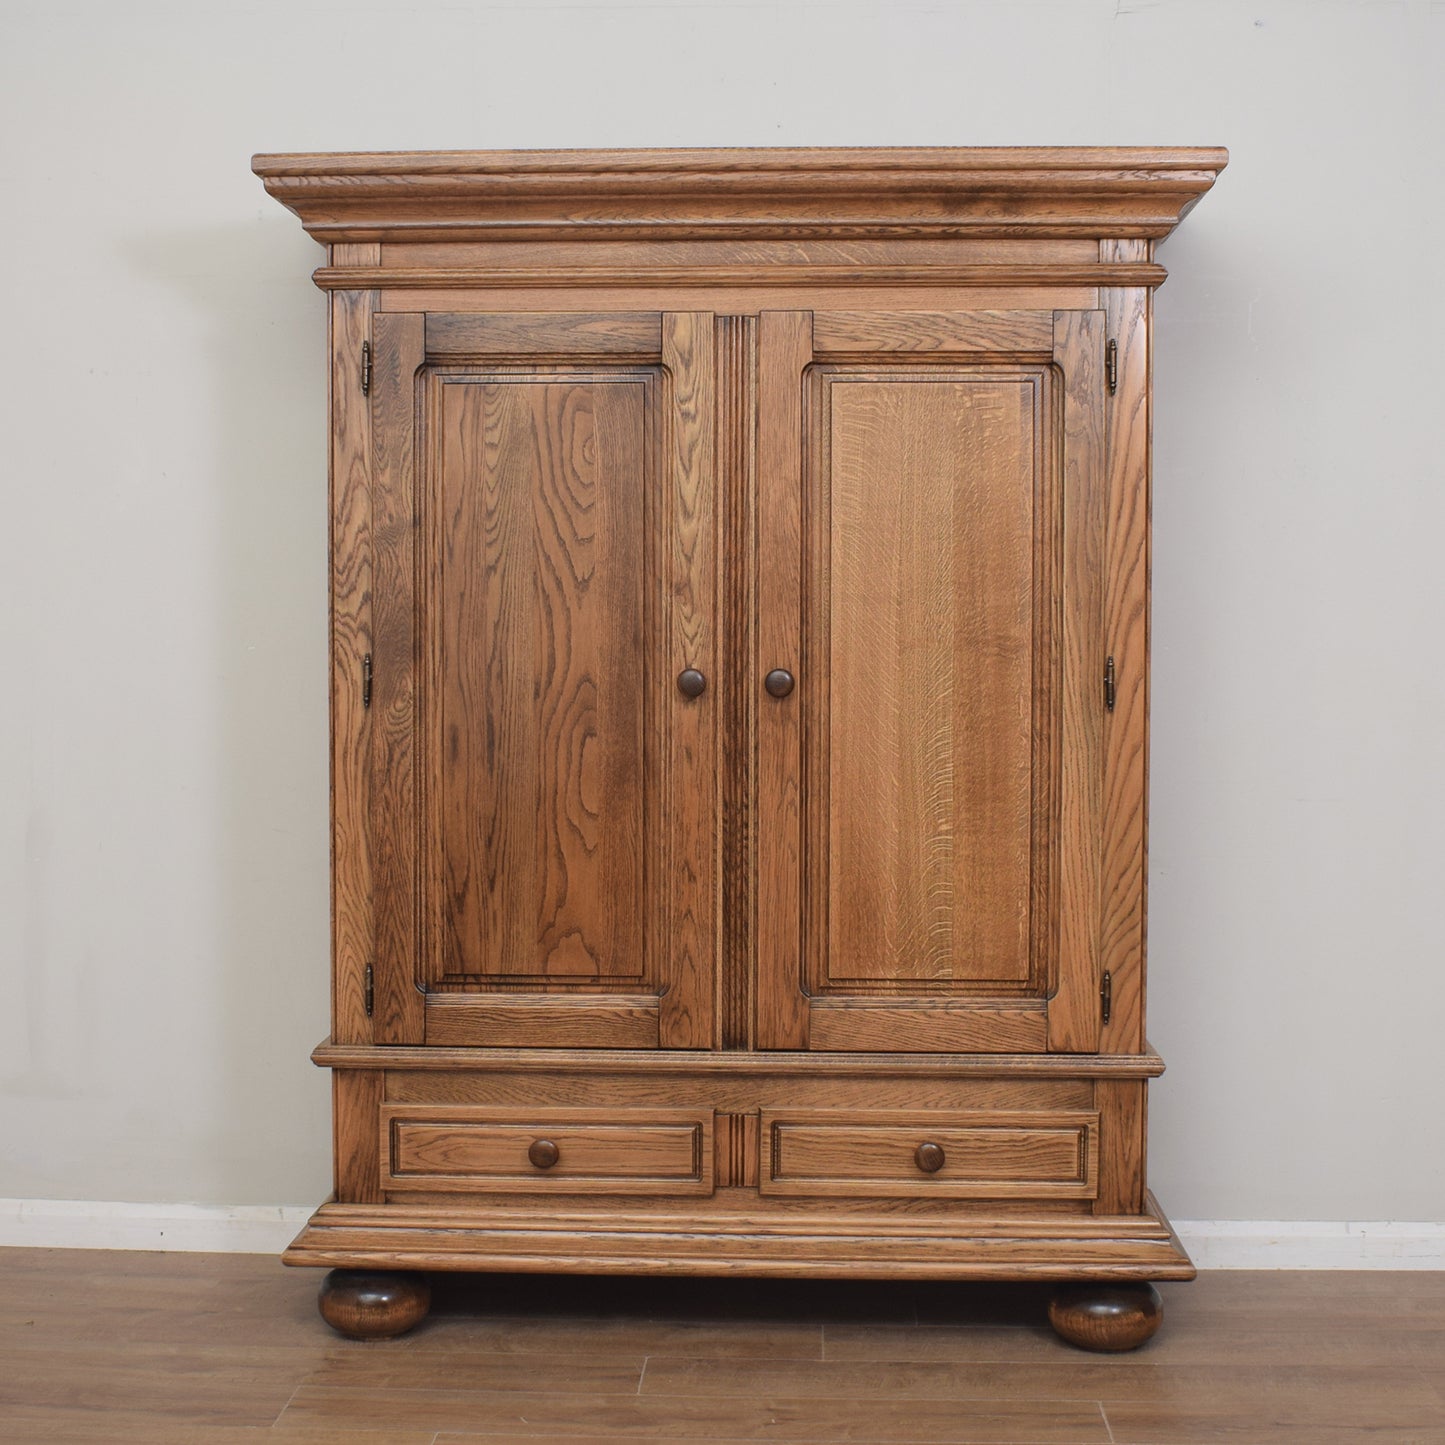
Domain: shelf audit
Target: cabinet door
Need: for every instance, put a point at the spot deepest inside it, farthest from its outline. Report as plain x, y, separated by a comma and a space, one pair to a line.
930, 532
544, 793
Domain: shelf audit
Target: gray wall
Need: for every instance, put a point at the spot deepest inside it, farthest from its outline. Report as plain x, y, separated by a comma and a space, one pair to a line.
162, 587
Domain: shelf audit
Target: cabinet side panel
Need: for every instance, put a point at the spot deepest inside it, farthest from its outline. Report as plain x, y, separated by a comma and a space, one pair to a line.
542, 610
352, 924
1126, 626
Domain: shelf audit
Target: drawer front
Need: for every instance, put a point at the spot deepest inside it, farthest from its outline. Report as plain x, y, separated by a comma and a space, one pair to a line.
572, 1151
994, 1155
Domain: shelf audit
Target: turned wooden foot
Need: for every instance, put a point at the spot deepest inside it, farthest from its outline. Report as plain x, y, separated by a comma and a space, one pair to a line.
1106, 1316
369, 1305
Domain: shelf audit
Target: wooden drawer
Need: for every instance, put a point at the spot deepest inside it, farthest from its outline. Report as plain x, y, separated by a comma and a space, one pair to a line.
937, 1155
555, 1151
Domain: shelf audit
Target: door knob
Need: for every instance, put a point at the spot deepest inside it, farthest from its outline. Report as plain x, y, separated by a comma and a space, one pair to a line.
779, 682
929, 1157
543, 1153
691, 683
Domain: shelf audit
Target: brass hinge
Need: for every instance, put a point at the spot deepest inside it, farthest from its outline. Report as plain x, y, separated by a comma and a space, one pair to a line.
1111, 365
1106, 996
1110, 691
366, 368
366, 680
369, 989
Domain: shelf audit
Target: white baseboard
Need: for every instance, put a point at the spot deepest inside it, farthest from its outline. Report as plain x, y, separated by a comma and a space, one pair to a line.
1312, 1243
269, 1228
190, 1228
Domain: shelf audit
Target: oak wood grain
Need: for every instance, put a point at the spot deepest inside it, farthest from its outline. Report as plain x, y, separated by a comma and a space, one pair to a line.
785, 348
356, 1099
947, 333
397, 342
543, 711
623, 1151
794, 193
352, 917
1074, 1013
985, 1155
578, 334
930, 486
1126, 625
690, 880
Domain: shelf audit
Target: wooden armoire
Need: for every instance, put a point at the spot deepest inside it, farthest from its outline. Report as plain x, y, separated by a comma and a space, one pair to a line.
739, 668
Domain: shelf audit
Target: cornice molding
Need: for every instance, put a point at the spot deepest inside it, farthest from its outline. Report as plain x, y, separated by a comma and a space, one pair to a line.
782, 194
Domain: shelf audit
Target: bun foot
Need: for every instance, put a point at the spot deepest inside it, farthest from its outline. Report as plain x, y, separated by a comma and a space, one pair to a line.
367, 1305
1106, 1317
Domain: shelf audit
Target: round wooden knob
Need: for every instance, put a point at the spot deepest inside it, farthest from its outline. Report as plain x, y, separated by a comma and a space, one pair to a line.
691, 683
929, 1157
543, 1153
779, 682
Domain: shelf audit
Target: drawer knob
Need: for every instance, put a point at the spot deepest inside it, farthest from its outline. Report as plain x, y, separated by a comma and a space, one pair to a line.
929, 1157
543, 1153
779, 682
691, 683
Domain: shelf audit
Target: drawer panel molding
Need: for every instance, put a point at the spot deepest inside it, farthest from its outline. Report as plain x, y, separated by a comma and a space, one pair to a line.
950, 1155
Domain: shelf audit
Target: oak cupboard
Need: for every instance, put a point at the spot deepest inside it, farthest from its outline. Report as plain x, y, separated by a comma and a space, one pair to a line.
739, 575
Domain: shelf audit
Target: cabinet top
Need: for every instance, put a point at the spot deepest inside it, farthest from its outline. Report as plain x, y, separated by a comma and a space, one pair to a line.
758, 194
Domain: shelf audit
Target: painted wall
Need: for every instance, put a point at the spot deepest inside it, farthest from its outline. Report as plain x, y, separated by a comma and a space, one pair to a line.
163, 855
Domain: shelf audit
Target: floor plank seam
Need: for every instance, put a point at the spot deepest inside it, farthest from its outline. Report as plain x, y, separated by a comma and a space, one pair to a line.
1104, 1416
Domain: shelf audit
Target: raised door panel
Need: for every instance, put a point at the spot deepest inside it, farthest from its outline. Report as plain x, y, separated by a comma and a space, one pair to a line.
555, 794
546, 651
930, 578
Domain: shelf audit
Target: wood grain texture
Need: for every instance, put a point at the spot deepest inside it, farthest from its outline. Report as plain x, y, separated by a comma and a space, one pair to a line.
785, 348
137, 1348
793, 193
397, 342
840, 413
356, 1099
1079, 354
929, 486
459, 1148
1122, 1120
737, 379
985, 1155
859, 1243
1126, 626
905, 1025
578, 334
943, 333
352, 920
546, 1020
983, 294
962, 1065
764, 276
690, 1007
542, 607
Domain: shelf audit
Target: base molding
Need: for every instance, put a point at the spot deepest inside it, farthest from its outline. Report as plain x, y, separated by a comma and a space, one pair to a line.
268, 1228
1054, 1247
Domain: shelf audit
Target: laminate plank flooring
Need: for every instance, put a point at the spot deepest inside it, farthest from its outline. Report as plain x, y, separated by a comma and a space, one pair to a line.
180, 1349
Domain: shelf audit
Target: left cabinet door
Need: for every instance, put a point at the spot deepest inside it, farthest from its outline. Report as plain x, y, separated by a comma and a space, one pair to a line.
544, 786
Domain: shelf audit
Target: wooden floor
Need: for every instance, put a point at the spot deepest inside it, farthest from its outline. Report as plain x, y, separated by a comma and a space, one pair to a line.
165, 1349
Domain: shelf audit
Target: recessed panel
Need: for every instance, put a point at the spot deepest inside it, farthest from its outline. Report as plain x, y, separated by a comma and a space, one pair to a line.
933, 486
544, 626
